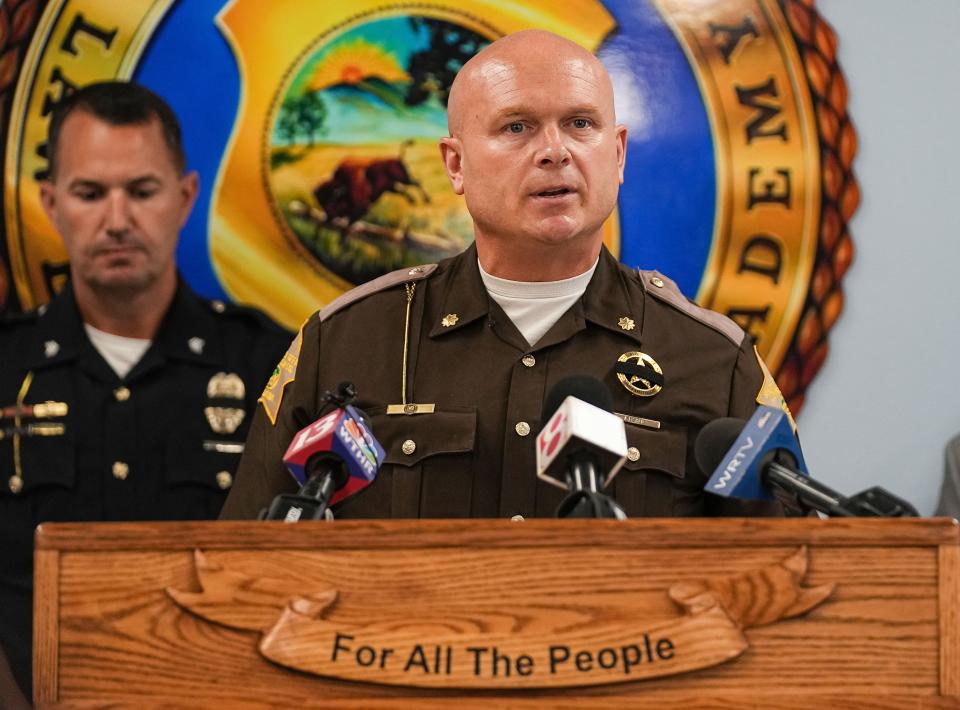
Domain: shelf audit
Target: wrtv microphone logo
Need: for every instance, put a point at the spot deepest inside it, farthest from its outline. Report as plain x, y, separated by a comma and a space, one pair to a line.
739, 473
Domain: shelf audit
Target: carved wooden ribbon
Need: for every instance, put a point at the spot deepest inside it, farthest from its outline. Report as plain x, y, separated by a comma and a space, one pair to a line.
453, 651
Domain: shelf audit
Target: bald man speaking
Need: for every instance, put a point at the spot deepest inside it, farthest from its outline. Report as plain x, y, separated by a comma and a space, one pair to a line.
452, 361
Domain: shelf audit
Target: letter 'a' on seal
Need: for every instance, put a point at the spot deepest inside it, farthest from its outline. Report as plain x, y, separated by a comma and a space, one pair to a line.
639, 374
282, 376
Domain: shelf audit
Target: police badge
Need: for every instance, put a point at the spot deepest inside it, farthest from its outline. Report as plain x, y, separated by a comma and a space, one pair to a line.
221, 418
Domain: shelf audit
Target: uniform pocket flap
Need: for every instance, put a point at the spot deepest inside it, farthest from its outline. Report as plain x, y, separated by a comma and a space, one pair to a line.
663, 450
202, 464
44, 461
409, 439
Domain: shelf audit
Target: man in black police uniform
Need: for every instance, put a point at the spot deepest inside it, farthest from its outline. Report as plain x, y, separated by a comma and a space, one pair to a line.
128, 397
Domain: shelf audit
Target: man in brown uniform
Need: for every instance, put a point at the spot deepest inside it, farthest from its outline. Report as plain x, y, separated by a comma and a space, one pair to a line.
452, 361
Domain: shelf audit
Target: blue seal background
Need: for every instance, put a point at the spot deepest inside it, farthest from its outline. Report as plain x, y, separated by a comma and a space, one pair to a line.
667, 202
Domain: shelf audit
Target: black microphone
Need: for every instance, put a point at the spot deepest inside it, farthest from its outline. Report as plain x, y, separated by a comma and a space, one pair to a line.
585, 443
761, 460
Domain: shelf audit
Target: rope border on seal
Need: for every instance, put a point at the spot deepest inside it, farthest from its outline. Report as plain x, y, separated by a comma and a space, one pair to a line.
817, 44
18, 21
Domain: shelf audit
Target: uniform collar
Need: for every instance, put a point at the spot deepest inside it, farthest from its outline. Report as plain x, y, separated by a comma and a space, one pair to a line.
465, 298
60, 336
188, 332
606, 302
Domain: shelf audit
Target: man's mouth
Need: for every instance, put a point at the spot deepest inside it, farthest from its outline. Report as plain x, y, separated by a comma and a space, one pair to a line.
555, 192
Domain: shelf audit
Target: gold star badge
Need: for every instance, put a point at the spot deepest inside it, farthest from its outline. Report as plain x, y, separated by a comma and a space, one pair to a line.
639, 374
449, 319
626, 323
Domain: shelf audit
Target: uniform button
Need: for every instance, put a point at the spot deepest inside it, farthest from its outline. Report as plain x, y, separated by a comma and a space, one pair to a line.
121, 394
529, 360
120, 470
224, 480
522, 428
16, 484
633, 453
218, 306
408, 447
657, 281
516, 518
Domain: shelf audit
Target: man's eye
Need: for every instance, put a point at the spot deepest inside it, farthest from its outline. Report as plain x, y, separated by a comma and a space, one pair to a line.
515, 127
88, 195
142, 194
581, 123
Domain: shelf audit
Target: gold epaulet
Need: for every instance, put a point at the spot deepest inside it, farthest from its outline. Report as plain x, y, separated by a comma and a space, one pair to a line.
663, 289
394, 278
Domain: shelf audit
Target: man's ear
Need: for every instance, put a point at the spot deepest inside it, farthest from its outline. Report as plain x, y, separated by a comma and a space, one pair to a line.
451, 151
189, 188
48, 199
621, 149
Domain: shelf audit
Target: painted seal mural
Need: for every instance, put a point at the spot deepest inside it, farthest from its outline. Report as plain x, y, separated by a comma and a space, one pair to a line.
313, 127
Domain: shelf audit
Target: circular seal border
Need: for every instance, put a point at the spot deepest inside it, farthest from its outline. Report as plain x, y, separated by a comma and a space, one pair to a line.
840, 197
18, 22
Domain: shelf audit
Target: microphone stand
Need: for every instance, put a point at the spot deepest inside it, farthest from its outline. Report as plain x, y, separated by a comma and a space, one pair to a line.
586, 500
813, 495
586, 504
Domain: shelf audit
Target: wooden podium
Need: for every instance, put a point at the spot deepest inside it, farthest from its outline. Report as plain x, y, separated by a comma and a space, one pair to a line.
679, 613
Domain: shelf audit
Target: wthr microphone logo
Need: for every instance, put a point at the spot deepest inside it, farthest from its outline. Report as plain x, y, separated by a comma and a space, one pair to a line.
342, 434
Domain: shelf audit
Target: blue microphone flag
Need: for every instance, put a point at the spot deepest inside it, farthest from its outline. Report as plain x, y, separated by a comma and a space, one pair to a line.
739, 474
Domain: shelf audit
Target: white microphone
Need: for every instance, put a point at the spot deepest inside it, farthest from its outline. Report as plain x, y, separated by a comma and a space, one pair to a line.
583, 444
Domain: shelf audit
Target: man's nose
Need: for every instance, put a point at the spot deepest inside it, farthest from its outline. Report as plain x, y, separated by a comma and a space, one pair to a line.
552, 151
118, 212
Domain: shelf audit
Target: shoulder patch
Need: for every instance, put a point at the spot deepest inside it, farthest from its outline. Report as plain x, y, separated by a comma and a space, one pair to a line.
283, 374
769, 394
665, 290
394, 278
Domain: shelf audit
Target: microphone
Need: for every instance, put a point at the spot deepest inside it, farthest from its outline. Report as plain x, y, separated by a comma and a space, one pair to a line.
335, 457
758, 459
582, 446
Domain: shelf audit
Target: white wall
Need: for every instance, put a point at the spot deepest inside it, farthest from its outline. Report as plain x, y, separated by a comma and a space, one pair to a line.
888, 397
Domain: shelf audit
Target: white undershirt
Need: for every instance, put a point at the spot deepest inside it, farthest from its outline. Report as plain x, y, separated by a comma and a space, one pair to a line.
120, 352
534, 306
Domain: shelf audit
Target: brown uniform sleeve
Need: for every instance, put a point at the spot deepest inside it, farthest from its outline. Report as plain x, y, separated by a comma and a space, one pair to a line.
747, 380
262, 475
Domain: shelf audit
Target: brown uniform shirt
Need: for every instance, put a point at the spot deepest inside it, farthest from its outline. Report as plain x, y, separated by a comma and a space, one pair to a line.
474, 456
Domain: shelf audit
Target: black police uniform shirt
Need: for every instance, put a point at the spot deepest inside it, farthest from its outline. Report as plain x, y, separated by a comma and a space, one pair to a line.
467, 447
81, 444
